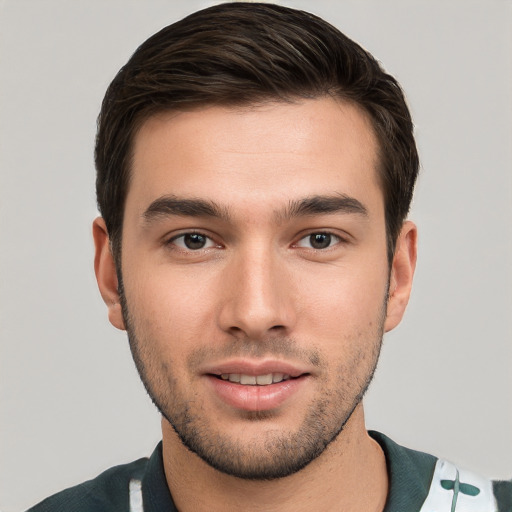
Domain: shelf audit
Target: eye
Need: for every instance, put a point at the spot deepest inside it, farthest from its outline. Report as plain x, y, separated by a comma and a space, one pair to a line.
319, 241
193, 241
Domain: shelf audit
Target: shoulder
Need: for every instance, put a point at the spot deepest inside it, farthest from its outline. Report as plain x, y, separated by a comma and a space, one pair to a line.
108, 491
454, 488
503, 494
419, 481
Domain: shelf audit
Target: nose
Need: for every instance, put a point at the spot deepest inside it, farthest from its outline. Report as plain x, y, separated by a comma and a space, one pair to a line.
258, 296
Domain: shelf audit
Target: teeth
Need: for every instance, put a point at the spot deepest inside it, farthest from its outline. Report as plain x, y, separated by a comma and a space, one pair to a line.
248, 380
264, 380
255, 380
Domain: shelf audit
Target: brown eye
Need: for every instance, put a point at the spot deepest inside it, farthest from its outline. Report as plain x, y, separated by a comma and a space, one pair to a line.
193, 241
318, 241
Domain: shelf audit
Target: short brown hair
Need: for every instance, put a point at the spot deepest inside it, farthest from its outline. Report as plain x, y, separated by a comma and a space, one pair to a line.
241, 54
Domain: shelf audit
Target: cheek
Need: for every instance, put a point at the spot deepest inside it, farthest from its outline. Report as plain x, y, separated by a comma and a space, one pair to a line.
345, 300
168, 304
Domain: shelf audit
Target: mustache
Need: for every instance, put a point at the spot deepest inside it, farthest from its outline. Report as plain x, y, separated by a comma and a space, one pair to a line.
279, 347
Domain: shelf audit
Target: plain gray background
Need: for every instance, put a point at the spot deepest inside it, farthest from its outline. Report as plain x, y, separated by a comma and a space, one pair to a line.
71, 402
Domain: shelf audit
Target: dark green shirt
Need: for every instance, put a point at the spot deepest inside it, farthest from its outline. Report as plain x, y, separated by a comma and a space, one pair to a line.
416, 480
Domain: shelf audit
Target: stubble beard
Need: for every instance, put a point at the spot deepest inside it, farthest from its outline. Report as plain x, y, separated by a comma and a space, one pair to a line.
280, 454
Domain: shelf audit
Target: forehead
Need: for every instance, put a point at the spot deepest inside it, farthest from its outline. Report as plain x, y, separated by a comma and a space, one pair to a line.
262, 154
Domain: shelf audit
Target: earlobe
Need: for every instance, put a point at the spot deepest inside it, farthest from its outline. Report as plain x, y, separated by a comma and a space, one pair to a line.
401, 277
106, 275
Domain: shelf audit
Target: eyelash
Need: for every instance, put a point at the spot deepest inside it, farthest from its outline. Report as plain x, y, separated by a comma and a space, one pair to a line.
207, 238
331, 237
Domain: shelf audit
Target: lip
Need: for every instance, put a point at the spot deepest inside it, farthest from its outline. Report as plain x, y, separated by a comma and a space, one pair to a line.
256, 398
255, 368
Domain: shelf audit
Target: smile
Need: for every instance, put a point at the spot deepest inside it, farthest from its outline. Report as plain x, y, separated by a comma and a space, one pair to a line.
255, 380
258, 390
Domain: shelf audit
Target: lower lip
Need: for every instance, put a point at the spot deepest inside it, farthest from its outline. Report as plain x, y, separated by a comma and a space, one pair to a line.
256, 398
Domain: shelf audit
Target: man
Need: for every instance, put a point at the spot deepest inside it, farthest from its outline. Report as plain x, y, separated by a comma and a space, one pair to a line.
255, 171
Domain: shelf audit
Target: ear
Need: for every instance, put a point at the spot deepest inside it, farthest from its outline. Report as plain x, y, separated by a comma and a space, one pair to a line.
106, 275
402, 272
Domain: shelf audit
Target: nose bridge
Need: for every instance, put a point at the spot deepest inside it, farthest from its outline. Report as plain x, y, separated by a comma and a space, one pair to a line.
257, 299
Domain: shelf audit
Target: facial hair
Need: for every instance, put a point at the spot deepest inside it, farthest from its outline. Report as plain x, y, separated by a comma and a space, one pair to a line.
278, 454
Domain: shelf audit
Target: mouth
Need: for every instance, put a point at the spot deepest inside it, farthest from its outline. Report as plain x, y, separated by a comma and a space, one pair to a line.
257, 386
255, 380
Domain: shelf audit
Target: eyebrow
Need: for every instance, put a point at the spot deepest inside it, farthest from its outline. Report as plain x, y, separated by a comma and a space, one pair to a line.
318, 205
315, 205
172, 205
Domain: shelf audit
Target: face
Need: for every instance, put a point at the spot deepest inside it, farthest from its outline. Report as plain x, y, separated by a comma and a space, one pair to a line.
255, 277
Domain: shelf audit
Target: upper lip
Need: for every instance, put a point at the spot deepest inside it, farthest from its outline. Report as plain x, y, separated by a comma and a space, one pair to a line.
247, 367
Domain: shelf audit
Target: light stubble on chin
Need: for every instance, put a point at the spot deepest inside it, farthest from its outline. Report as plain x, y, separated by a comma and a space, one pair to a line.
276, 454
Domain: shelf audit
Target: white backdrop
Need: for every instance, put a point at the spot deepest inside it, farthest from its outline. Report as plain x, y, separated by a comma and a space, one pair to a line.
70, 400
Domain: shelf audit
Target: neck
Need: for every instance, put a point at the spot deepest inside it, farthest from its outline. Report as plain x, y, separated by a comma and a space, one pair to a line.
349, 475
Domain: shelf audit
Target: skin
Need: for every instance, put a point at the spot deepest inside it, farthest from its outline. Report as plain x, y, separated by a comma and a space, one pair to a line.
259, 292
